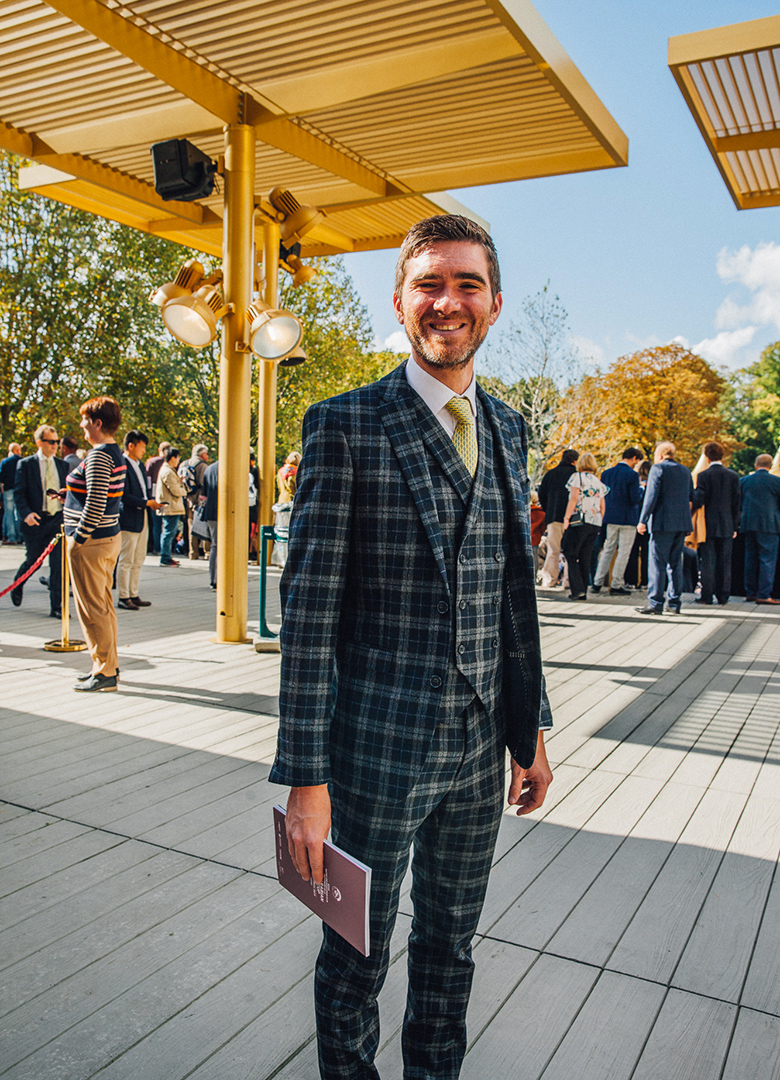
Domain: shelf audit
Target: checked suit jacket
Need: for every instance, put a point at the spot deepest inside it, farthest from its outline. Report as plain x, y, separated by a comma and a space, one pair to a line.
364, 640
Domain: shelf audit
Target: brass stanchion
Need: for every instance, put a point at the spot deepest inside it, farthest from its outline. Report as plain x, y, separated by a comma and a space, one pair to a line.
64, 644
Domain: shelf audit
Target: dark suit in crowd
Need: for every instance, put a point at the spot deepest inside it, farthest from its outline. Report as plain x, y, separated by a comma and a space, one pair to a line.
210, 492
410, 657
553, 498
666, 511
717, 490
621, 515
761, 526
29, 497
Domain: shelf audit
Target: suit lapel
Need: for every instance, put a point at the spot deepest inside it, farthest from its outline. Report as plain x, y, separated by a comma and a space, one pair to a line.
506, 460
410, 426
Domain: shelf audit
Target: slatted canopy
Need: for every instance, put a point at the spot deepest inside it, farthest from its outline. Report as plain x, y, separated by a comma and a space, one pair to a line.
366, 109
730, 78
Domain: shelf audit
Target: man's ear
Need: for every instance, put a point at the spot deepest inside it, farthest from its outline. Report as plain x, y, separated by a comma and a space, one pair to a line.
399, 311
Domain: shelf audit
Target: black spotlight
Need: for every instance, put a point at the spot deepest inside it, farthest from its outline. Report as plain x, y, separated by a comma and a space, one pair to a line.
181, 171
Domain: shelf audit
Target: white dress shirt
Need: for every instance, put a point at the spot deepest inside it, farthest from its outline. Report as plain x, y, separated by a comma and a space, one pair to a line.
139, 471
436, 395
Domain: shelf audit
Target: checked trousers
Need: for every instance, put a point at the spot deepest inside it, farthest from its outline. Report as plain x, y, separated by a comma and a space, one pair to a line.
451, 819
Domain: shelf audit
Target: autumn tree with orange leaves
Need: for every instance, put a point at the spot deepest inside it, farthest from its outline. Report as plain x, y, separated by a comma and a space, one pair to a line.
665, 393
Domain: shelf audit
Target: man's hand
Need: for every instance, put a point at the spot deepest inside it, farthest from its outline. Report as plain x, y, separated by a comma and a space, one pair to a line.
308, 823
641, 528
154, 505
529, 786
32, 519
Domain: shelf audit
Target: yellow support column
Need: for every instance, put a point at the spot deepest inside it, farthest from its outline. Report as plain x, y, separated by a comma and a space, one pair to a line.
234, 386
266, 427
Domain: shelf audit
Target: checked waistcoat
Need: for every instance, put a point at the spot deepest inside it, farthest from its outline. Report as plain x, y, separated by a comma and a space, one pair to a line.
473, 530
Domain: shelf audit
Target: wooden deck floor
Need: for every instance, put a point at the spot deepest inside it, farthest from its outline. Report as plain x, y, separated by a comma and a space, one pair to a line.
631, 930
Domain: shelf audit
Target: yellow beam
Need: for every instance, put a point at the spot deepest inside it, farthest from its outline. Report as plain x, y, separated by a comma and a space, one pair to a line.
501, 170
169, 65
318, 90
137, 127
213, 93
752, 140
16, 142
724, 41
525, 24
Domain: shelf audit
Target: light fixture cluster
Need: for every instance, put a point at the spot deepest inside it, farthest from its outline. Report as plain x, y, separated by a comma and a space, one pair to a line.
192, 304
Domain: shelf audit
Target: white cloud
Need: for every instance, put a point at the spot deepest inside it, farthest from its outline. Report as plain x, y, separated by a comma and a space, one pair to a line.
725, 347
757, 270
397, 342
681, 339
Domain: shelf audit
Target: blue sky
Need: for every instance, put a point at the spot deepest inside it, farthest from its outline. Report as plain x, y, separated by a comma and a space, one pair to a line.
638, 256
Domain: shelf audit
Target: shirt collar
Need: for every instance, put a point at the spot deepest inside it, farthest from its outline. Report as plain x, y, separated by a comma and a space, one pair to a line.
433, 392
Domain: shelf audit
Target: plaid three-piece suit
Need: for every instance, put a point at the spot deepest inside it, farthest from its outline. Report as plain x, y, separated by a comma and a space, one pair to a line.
410, 657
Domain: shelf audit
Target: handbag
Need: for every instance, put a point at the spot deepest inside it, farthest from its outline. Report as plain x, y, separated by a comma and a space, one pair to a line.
199, 526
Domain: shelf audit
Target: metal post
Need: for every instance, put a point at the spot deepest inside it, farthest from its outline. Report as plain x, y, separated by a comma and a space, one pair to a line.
268, 640
234, 386
266, 415
64, 644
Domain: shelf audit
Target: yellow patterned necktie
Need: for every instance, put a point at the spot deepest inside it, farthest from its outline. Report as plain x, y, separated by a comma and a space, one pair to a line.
53, 506
465, 436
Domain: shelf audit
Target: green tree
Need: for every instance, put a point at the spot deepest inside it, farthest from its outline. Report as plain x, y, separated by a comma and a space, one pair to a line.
75, 321
752, 403
337, 340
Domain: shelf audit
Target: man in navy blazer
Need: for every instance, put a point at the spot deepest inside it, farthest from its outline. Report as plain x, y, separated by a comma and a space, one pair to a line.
666, 512
134, 510
40, 515
718, 491
622, 504
410, 653
761, 525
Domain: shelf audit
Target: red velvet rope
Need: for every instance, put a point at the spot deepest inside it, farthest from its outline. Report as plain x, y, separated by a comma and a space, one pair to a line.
33, 568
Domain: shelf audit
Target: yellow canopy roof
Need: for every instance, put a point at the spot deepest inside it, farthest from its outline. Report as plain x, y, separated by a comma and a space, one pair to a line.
730, 78
365, 108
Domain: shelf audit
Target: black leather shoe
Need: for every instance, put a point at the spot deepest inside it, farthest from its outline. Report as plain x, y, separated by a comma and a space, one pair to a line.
596, 588
44, 581
127, 604
55, 614
620, 592
649, 610
97, 682
139, 602
699, 600
16, 597
672, 611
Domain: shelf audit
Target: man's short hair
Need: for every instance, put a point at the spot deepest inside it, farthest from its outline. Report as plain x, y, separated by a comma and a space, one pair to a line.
763, 461
171, 452
713, 451
14, 448
569, 457
132, 437
632, 452
666, 449
444, 227
40, 432
199, 449
105, 409
69, 443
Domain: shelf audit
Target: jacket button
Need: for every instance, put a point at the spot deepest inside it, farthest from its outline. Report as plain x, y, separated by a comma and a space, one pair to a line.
496, 599
435, 682
495, 642
462, 604
442, 607
462, 559
461, 648
498, 556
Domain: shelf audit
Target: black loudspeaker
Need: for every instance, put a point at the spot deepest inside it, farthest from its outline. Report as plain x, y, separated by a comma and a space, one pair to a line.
181, 171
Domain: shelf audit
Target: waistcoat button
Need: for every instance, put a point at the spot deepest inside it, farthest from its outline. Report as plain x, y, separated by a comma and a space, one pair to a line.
462, 604
461, 648
495, 643
435, 682
442, 607
462, 558
498, 556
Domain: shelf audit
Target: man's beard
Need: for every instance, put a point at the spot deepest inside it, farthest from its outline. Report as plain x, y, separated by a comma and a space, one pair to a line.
447, 359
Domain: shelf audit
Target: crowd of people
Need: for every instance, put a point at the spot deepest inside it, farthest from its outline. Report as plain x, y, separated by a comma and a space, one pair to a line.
659, 525
115, 508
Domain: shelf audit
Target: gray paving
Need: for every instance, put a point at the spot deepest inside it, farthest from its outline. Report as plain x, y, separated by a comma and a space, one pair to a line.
631, 929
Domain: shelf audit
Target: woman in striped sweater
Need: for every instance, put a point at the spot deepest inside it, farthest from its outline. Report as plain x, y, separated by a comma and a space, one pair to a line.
94, 491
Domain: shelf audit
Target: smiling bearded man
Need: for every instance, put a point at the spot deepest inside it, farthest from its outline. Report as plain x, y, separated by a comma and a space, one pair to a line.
410, 653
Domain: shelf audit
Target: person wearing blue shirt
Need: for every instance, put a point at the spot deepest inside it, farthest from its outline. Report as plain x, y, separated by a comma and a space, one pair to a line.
623, 503
761, 526
666, 514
